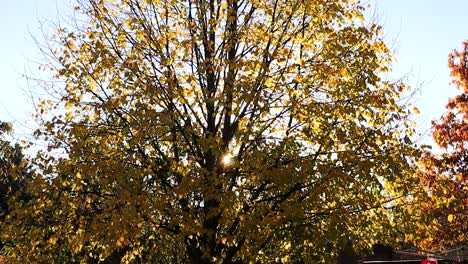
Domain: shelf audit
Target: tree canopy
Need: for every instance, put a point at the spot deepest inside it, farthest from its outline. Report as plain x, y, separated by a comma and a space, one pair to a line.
220, 131
445, 175
15, 173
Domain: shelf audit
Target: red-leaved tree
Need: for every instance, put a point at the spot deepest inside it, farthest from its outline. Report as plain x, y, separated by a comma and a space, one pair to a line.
445, 205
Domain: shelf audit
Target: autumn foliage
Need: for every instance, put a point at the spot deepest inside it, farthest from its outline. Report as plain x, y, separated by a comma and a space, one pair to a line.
445, 175
218, 131
15, 174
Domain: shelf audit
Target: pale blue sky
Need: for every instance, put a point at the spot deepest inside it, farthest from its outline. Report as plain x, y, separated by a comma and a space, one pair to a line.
19, 19
423, 32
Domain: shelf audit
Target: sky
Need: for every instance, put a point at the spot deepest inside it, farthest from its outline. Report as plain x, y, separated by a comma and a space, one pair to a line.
20, 23
422, 33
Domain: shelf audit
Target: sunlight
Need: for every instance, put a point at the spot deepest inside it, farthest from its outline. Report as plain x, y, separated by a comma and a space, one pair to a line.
227, 159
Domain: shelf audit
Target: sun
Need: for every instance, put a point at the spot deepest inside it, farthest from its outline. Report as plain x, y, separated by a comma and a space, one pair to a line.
227, 159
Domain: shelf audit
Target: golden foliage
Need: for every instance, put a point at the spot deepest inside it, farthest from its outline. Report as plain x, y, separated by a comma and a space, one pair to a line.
156, 93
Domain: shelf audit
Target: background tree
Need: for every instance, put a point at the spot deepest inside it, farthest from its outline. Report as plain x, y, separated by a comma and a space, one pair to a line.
219, 131
445, 175
15, 172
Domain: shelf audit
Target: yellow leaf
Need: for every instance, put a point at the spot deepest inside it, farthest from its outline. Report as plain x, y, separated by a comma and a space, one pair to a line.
140, 35
68, 105
121, 241
343, 72
301, 62
450, 217
52, 240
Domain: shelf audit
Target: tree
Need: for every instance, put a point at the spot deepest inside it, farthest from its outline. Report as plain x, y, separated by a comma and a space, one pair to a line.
15, 172
445, 175
218, 131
